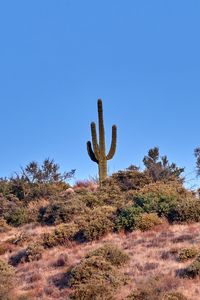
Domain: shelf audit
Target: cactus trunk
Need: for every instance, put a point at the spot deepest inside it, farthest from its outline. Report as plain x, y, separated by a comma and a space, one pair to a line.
98, 153
102, 170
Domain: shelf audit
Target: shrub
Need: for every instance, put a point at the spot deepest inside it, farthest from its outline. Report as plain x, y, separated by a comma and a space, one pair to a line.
187, 253
90, 199
157, 288
7, 205
97, 275
6, 280
147, 221
62, 260
170, 254
94, 277
4, 187
96, 223
33, 252
17, 216
183, 238
62, 235
110, 253
46, 190
110, 194
185, 211
4, 247
192, 270
39, 181
95, 290
93, 268
127, 218
130, 179
170, 200
159, 197
34, 208
20, 238
4, 227
61, 211
17, 258
174, 296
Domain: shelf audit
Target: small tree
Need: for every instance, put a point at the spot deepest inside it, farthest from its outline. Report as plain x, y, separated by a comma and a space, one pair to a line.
38, 180
197, 155
48, 172
159, 168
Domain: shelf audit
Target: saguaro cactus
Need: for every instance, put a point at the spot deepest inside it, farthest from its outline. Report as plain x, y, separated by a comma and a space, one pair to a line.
98, 153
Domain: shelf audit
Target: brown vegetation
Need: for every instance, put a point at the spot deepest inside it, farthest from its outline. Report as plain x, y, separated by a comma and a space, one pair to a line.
136, 237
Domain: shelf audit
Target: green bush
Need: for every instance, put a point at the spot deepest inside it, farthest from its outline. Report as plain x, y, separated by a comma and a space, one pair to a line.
32, 253
171, 200
110, 194
17, 216
94, 268
8, 204
96, 223
6, 280
187, 253
97, 275
159, 197
127, 218
89, 199
4, 187
186, 211
45, 190
148, 221
62, 235
94, 277
61, 211
94, 289
110, 253
87, 227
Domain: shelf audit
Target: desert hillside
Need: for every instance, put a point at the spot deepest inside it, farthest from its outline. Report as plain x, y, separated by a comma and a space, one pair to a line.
136, 236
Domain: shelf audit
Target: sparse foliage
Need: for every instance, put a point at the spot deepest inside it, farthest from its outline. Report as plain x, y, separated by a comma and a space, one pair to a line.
36, 181
159, 168
197, 155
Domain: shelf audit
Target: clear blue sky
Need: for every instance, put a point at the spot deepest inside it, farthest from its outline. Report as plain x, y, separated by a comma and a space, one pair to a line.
57, 57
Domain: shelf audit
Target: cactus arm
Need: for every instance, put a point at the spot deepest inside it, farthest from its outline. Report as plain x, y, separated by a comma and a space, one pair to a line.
113, 143
91, 153
94, 140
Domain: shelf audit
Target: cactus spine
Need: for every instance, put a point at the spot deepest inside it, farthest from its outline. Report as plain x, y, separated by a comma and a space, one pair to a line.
98, 153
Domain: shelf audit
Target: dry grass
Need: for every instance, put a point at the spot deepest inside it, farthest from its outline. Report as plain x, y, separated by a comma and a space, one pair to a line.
152, 253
